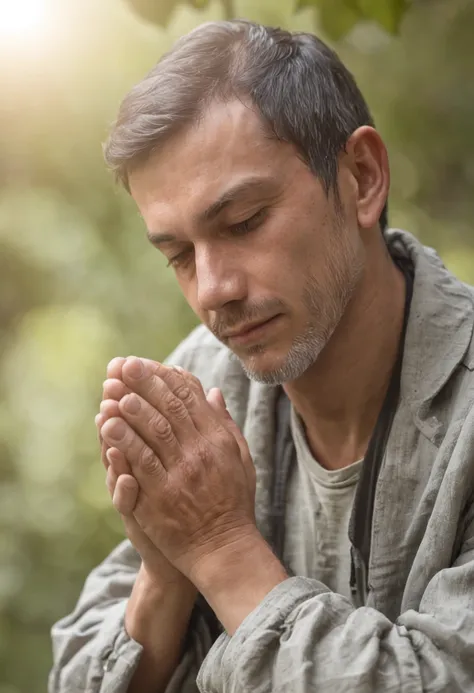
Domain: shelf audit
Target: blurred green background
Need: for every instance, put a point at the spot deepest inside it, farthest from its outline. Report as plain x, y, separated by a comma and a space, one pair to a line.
79, 283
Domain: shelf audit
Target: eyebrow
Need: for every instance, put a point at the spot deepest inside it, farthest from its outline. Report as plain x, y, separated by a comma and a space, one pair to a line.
227, 198
160, 238
232, 194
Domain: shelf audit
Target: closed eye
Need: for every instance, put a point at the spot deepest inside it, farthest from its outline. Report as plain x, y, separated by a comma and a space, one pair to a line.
179, 259
240, 229
249, 224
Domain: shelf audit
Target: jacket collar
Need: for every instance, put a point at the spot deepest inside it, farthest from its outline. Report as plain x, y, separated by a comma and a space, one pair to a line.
439, 330
438, 336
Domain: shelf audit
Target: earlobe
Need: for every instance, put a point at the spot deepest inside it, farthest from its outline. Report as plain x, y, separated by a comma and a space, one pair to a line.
371, 169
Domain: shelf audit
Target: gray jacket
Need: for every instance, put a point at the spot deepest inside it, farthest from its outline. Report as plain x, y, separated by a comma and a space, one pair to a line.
415, 633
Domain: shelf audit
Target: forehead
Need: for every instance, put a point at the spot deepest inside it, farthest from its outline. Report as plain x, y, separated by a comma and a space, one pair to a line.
194, 167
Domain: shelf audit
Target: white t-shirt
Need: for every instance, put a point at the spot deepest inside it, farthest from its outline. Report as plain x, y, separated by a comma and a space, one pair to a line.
319, 506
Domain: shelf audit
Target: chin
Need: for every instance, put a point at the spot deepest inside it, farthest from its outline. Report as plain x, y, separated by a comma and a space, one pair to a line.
266, 366
263, 368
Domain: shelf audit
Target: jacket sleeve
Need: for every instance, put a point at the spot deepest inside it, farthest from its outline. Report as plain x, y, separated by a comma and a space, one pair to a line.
91, 649
305, 639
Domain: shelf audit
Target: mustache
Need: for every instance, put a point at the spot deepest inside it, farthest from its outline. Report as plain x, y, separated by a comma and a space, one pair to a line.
242, 314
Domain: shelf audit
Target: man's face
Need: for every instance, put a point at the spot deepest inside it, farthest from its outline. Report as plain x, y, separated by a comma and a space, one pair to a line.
253, 238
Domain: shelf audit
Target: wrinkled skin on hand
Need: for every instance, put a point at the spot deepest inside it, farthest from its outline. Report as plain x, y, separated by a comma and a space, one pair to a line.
193, 468
123, 487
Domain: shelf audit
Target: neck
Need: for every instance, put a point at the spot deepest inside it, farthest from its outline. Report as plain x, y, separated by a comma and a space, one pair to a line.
340, 396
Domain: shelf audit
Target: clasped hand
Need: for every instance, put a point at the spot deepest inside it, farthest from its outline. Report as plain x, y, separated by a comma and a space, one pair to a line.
181, 459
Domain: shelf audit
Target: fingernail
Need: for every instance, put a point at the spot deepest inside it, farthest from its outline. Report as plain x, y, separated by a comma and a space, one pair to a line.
117, 430
99, 420
131, 404
179, 369
135, 367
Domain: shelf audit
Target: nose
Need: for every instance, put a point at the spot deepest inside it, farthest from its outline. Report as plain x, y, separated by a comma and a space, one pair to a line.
219, 278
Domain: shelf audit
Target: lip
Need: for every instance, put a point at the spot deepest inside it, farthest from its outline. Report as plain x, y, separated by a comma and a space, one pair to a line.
253, 332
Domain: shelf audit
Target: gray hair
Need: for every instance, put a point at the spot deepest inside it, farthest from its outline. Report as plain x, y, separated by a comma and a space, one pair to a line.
303, 92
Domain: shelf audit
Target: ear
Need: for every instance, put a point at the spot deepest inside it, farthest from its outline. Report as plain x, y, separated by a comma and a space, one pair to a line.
367, 158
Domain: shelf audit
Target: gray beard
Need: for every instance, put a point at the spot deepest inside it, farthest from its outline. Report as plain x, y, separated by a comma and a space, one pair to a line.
302, 354
325, 316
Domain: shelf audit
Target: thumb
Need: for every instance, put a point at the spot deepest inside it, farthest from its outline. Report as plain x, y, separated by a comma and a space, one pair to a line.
217, 401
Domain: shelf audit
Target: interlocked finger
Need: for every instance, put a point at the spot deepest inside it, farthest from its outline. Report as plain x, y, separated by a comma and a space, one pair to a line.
125, 491
108, 409
142, 377
114, 367
143, 461
178, 395
118, 462
125, 495
114, 388
180, 381
153, 428
111, 480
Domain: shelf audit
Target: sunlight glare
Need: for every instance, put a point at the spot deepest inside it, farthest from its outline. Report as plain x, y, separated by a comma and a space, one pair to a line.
22, 19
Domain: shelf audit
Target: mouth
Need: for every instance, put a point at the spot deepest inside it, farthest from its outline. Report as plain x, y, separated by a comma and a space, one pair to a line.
253, 332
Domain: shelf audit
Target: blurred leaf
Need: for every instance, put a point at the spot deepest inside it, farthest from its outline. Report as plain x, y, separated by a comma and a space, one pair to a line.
338, 17
160, 11
308, 3
157, 11
199, 4
266, 12
388, 13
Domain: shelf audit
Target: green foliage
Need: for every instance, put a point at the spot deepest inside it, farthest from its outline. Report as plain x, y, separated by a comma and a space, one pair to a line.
337, 17
153, 11
79, 284
160, 11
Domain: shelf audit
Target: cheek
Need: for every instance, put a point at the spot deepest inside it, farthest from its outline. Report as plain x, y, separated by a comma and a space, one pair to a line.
189, 290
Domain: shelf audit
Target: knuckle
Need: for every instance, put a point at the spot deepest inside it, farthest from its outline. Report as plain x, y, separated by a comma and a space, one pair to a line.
194, 383
190, 379
175, 406
147, 460
224, 439
202, 454
183, 392
191, 472
161, 427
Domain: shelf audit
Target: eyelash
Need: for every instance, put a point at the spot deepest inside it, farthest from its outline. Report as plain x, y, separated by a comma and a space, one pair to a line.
249, 224
239, 229
174, 261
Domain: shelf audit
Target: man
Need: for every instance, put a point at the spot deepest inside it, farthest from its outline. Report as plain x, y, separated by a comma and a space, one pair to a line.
344, 354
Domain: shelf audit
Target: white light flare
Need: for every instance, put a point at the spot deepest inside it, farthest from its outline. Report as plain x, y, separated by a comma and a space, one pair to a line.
23, 21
